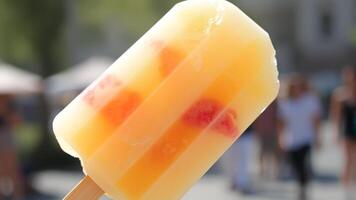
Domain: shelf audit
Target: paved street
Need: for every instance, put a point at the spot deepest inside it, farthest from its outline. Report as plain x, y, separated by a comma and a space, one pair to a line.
327, 164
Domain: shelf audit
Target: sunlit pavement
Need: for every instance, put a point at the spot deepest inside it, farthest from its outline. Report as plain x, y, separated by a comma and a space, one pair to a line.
327, 165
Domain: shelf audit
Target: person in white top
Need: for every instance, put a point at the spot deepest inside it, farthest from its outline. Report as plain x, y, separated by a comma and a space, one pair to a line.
298, 125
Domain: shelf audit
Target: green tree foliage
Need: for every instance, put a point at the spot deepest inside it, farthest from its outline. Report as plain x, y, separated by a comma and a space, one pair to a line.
30, 35
134, 16
31, 32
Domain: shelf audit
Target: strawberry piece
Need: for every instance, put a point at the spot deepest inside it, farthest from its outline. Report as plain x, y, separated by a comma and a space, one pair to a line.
226, 123
202, 112
121, 101
205, 111
169, 57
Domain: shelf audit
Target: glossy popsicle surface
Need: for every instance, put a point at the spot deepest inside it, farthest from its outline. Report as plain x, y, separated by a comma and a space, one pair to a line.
165, 111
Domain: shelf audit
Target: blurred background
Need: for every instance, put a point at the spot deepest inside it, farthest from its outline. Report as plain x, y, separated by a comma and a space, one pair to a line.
51, 50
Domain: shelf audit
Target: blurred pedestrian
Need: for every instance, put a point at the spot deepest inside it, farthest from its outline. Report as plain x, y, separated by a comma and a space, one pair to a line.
298, 125
238, 161
10, 176
266, 132
343, 116
313, 97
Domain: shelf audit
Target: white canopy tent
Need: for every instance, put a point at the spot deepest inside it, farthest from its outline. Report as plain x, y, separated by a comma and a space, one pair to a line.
77, 77
17, 81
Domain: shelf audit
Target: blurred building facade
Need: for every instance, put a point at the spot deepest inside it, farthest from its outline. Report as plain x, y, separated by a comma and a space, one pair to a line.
314, 35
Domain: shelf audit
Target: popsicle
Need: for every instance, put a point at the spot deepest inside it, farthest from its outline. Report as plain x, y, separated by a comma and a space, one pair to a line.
155, 121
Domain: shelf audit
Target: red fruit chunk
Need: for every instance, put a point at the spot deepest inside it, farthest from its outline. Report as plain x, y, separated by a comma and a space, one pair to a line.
202, 112
169, 57
121, 106
205, 111
226, 123
113, 101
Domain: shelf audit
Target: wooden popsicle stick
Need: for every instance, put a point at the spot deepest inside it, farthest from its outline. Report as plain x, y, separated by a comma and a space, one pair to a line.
86, 189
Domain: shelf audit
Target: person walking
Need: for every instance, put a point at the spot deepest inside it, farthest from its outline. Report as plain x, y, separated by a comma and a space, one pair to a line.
237, 163
343, 117
298, 125
266, 132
